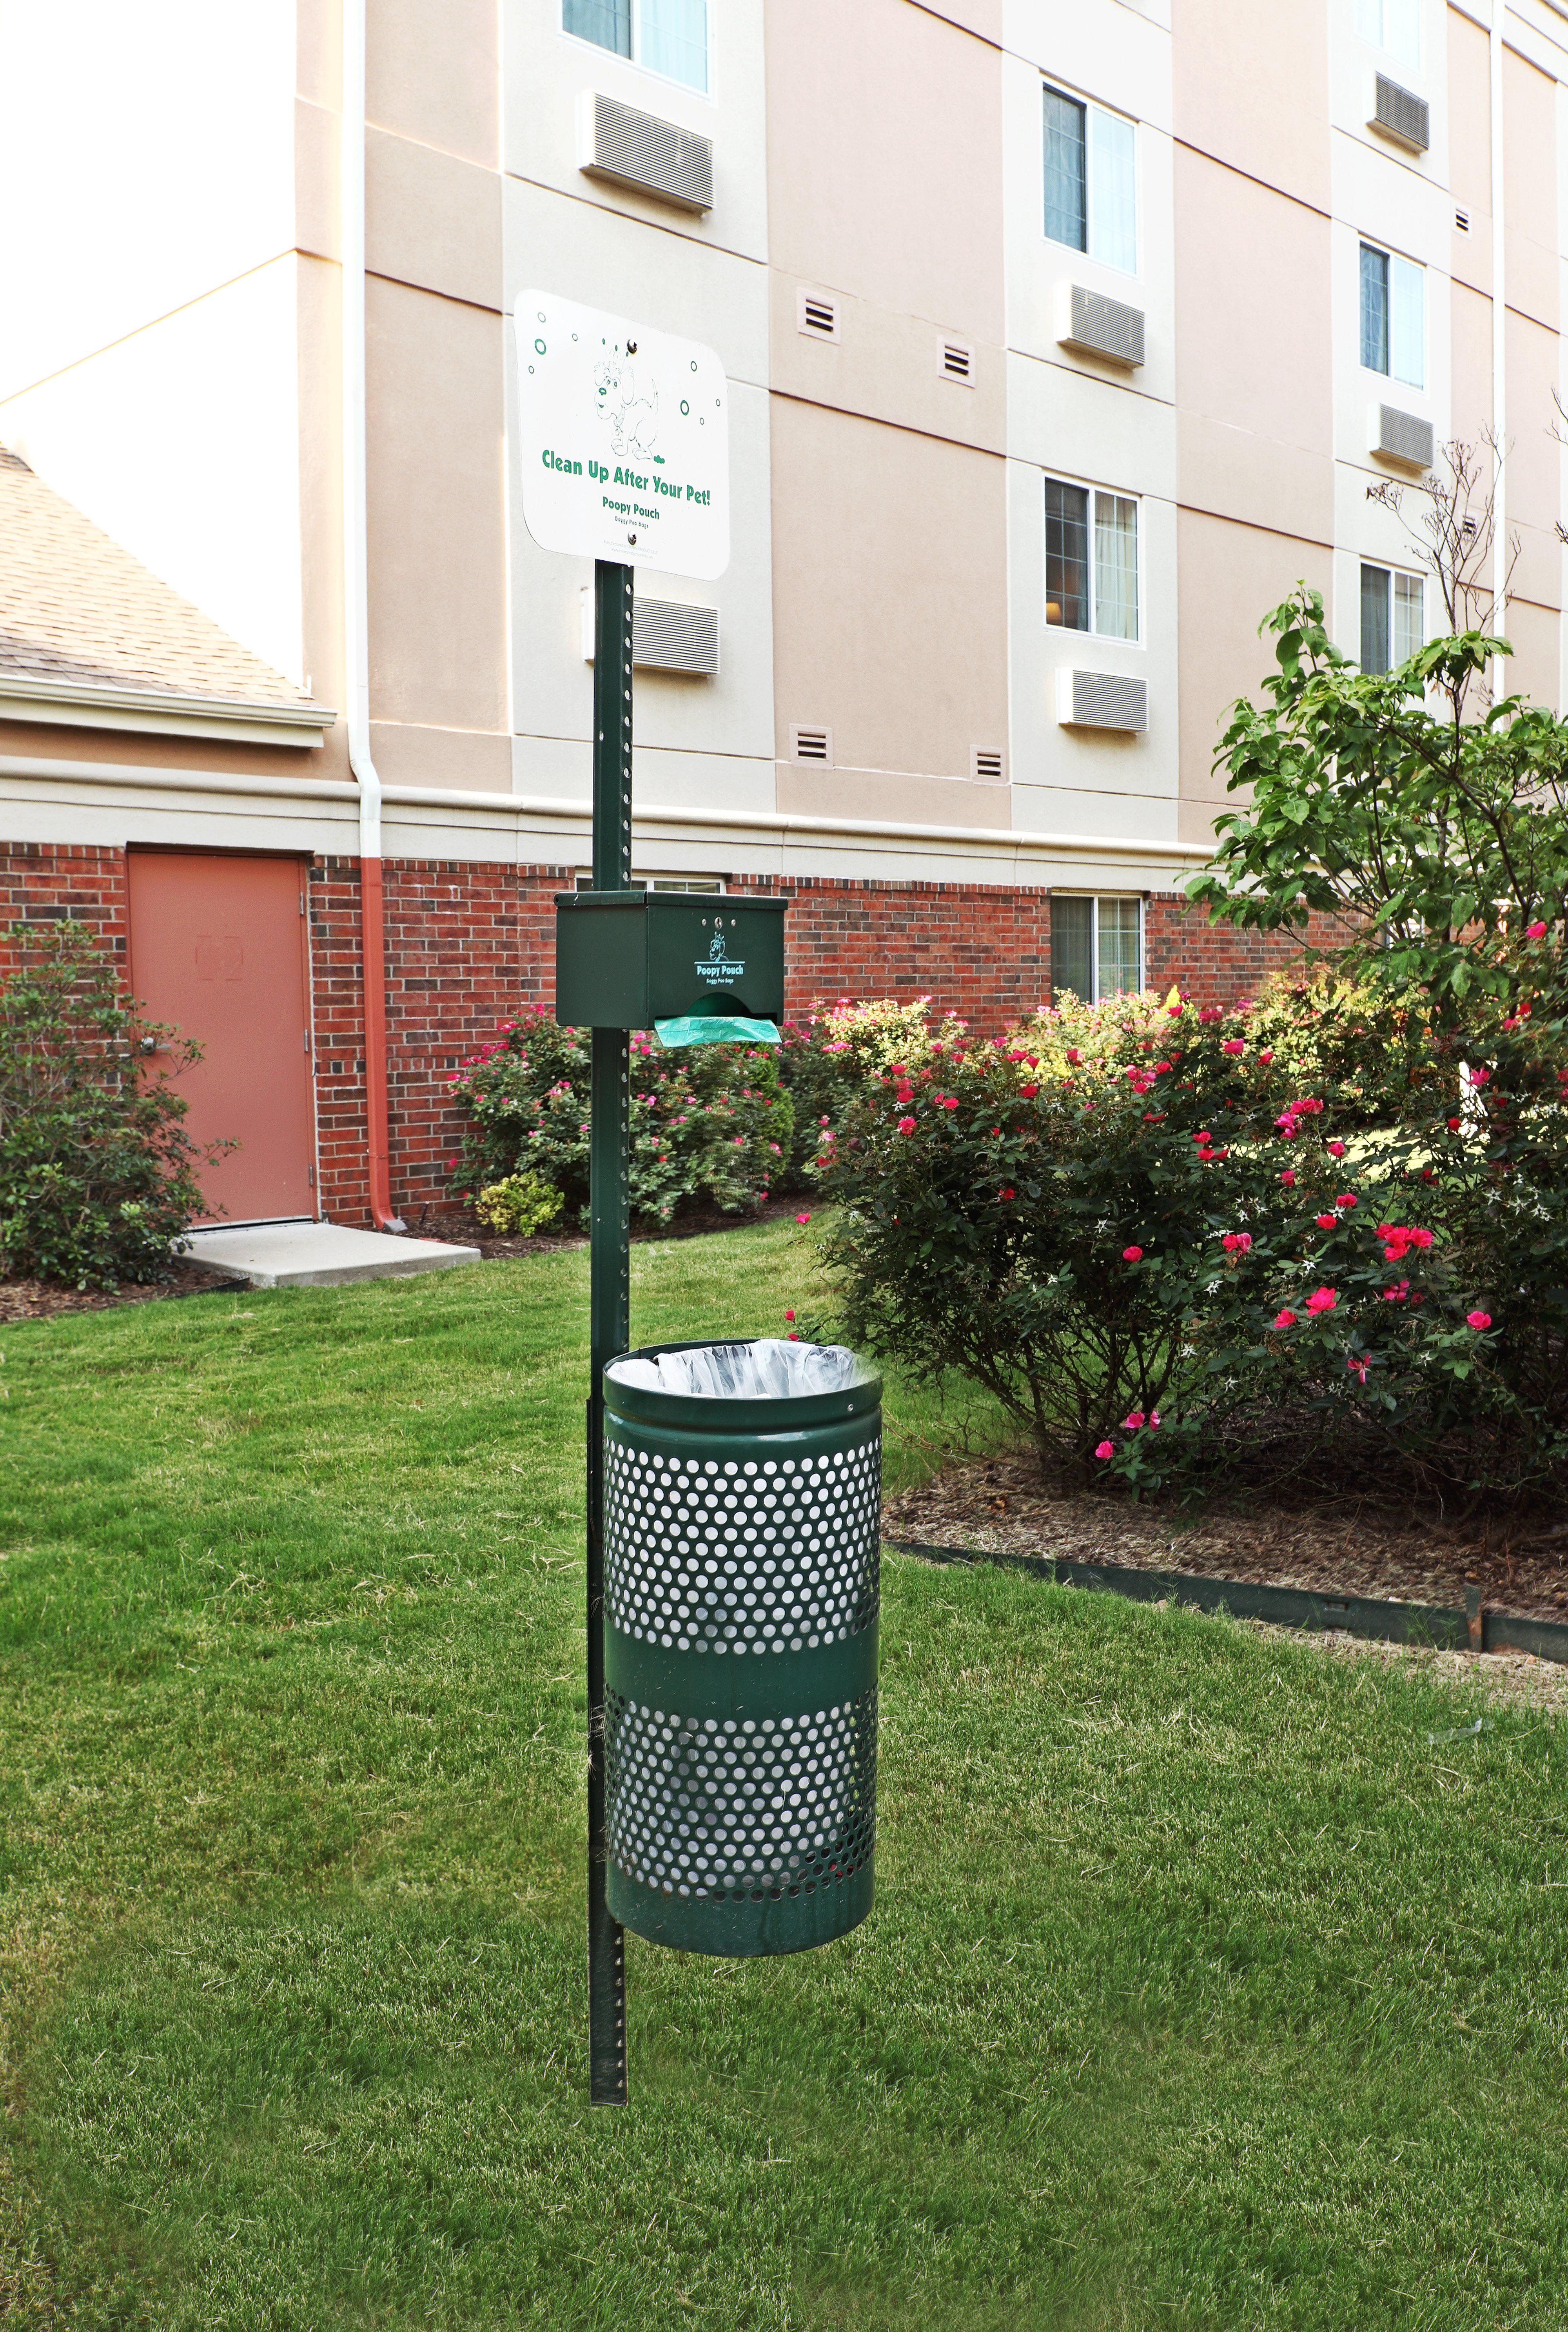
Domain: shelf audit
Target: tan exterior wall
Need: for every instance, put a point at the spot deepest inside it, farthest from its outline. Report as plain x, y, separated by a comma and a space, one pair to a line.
890, 616
1249, 88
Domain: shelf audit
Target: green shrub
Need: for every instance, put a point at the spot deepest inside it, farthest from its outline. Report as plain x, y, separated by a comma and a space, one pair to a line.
1140, 1229
97, 1177
710, 1125
826, 1060
518, 1206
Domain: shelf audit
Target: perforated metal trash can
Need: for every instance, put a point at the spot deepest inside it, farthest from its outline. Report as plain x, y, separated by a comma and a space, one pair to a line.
741, 1546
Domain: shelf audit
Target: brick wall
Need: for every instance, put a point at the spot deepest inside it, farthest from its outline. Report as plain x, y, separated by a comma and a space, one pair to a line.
469, 944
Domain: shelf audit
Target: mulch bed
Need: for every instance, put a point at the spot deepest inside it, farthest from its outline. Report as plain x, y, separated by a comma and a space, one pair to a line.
39, 1299
1350, 1543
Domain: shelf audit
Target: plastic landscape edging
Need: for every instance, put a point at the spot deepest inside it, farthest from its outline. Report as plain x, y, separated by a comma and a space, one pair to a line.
1473, 1630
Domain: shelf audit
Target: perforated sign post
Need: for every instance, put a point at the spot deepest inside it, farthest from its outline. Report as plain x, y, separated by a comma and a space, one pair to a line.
624, 440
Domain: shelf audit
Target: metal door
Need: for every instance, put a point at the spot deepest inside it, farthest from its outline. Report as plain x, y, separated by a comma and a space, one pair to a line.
220, 948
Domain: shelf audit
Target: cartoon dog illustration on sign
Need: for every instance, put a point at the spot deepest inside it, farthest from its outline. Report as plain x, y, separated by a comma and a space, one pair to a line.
634, 419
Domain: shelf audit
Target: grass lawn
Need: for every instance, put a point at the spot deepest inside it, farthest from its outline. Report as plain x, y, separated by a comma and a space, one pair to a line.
1202, 1989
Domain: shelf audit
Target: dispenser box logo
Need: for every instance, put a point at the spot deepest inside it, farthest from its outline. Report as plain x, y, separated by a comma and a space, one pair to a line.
624, 436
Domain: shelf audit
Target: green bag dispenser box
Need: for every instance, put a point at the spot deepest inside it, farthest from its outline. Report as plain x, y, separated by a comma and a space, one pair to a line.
693, 966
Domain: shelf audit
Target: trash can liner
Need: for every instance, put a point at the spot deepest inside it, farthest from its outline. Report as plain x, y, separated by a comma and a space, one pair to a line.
770, 1369
742, 1542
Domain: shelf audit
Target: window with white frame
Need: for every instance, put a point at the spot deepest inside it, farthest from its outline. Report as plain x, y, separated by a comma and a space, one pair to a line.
1393, 617
1091, 181
1394, 25
1097, 946
1393, 315
1091, 560
663, 36
706, 883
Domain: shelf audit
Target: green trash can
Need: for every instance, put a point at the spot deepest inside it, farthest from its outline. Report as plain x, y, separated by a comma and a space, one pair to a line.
742, 1536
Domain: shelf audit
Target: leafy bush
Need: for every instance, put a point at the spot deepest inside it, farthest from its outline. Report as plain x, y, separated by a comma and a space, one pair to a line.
826, 1060
518, 1206
710, 1125
97, 1177
1140, 1229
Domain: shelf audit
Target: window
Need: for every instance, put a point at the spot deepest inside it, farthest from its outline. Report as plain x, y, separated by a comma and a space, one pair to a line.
1393, 617
1097, 946
1091, 181
1393, 323
1392, 24
663, 36
704, 883
1091, 560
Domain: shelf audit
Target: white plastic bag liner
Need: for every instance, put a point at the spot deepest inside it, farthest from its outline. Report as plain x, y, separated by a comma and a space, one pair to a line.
772, 1368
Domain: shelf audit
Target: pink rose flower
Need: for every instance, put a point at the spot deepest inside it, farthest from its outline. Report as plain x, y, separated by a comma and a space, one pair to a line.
1284, 1319
803, 1218
1534, 931
1132, 1254
1236, 1242
906, 1126
1133, 1419
1106, 1449
1336, 1148
1326, 1222
1288, 1178
1479, 1077
1233, 1045
789, 1316
1265, 1058
1477, 1321
1322, 1299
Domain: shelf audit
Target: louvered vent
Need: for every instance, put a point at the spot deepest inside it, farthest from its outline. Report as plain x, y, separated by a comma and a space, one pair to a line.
667, 635
811, 745
637, 150
1402, 437
1097, 326
1102, 700
987, 765
1402, 114
816, 317
1462, 222
956, 359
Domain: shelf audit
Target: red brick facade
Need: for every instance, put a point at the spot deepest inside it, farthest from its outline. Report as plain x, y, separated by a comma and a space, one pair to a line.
469, 944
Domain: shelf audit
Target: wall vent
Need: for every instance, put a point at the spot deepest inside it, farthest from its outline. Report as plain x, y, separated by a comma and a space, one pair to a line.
955, 361
1462, 222
667, 635
987, 765
1400, 113
816, 316
637, 150
1470, 527
1100, 700
1400, 438
1095, 326
812, 745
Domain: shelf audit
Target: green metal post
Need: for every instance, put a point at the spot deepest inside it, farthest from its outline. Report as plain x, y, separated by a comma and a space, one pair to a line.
609, 1313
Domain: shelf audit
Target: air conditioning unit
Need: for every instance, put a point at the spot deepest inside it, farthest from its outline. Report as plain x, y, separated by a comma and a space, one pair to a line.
1092, 325
1400, 113
1102, 700
667, 636
639, 151
1400, 438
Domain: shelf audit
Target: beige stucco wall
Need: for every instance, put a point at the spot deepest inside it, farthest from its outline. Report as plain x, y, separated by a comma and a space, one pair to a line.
890, 618
1530, 188
1231, 576
1249, 88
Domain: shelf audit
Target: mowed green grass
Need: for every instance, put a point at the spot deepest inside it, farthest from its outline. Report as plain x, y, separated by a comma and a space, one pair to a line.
1203, 1988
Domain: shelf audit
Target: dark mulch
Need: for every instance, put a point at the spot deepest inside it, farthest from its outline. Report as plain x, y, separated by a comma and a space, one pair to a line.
39, 1299
1354, 1541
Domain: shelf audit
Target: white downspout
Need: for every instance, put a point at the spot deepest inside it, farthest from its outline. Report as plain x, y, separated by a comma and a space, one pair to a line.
356, 610
1499, 347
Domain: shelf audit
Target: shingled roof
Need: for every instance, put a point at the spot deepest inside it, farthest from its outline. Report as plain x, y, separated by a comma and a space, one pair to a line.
78, 612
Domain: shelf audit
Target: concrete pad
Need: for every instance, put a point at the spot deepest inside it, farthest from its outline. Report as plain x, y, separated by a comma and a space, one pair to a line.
317, 1255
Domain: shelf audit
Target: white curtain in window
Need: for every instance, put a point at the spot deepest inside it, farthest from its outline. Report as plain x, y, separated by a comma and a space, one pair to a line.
1113, 191
1408, 321
1117, 931
673, 38
1402, 31
1408, 627
1116, 565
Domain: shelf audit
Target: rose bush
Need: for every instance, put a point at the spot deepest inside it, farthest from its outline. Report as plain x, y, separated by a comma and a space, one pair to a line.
1137, 1227
826, 1059
710, 1125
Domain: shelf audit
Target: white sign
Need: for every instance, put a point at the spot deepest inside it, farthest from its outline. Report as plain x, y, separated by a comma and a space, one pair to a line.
624, 437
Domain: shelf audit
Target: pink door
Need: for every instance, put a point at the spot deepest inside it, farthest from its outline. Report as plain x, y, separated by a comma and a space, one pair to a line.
219, 948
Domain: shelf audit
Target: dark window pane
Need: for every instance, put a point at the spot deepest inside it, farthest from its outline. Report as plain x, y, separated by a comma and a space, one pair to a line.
1068, 555
1374, 619
1374, 309
1066, 209
606, 23
1073, 946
